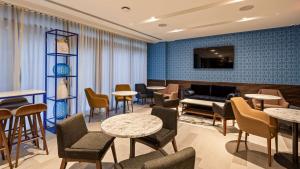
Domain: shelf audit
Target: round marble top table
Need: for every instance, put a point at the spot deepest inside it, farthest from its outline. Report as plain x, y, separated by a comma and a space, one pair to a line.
124, 94
262, 98
156, 87
131, 126
290, 115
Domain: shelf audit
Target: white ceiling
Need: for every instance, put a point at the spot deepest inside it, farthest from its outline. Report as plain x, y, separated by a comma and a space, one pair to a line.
197, 18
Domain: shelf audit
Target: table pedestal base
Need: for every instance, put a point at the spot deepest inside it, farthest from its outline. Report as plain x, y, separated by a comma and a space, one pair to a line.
286, 160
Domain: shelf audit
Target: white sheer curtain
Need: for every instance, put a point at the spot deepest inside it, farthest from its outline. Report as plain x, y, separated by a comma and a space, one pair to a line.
105, 59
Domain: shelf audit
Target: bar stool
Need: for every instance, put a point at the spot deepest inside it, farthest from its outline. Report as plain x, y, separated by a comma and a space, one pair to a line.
33, 114
5, 115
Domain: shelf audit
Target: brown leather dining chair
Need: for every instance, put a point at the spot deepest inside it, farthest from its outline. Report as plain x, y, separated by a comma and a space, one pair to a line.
171, 91
123, 87
252, 121
96, 101
5, 115
281, 103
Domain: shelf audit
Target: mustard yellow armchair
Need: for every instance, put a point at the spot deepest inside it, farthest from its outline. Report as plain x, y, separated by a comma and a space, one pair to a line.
123, 87
282, 103
252, 121
96, 101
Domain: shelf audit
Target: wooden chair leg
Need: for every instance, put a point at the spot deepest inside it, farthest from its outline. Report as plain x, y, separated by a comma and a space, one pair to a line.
132, 148
246, 141
107, 112
132, 106
174, 145
269, 152
6, 148
224, 126
239, 140
127, 105
233, 122
98, 165
19, 140
36, 132
113, 149
90, 115
63, 164
12, 138
43, 133
276, 143
10, 129
116, 109
214, 119
32, 130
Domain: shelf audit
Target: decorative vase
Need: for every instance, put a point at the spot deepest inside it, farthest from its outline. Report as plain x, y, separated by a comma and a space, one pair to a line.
61, 69
61, 110
62, 46
62, 90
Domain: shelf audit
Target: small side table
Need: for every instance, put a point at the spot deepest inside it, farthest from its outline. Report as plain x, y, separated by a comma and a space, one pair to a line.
262, 98
124, 94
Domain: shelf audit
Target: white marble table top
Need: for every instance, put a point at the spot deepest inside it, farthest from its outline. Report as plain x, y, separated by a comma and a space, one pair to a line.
132, 125
21, 93
201, 102
156, 87
124, 93
291, 115
262, 97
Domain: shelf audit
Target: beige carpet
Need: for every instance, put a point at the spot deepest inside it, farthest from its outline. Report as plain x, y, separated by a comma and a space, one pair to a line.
214, 151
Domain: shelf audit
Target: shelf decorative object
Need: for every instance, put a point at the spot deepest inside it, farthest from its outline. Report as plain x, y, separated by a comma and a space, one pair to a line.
61, 69
61, 83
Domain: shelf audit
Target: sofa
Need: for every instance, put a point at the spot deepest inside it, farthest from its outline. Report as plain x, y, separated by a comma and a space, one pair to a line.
210, 92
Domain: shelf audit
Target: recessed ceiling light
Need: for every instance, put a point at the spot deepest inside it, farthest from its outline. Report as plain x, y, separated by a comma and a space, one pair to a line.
125, 8
176, 30
233, 1
151, 19
216, 53
247, 19
246, 8
162, 25
277, 14
212, 50
220, 56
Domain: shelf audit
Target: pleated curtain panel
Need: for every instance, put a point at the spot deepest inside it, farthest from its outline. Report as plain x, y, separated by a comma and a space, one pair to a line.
105, 59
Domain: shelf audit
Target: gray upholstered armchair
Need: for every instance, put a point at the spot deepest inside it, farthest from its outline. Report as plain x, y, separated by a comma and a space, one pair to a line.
76, 143
184, 159
165, 135
160, 100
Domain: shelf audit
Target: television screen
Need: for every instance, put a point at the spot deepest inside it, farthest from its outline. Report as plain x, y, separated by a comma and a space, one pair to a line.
214, 57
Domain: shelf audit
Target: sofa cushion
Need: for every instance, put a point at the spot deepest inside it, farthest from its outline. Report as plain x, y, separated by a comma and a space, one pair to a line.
138, 162
222, 91
91, 146
160, 138
201, 89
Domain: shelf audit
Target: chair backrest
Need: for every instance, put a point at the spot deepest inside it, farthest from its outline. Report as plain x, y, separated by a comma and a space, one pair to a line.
31, 109
158, 99
240, 107
141, 88
167, 115
4, 114
89, 94
123, 87
69, 131
172, 88
184, 159
273, 92
228, 109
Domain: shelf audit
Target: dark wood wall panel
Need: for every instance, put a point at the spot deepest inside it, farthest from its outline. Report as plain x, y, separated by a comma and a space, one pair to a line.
290, 92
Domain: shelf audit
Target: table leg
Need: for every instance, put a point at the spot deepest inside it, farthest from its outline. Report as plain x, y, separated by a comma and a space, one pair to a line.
132, 148
295, 143
287, 160
262, 106
124, 104
33, 99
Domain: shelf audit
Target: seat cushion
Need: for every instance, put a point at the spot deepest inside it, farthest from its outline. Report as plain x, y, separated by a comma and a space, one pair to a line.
121, 98
91, 146
138, 162
159, 139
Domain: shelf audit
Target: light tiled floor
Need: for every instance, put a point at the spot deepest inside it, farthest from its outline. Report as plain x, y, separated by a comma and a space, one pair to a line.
214, 151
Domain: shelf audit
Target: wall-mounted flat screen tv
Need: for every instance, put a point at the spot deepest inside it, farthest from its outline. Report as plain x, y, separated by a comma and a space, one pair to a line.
214, 57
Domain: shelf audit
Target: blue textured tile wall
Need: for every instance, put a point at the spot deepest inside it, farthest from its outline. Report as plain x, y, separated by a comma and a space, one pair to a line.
269, 56
156, 61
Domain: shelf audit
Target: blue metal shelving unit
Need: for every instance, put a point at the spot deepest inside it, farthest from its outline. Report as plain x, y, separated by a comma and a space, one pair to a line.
51, 79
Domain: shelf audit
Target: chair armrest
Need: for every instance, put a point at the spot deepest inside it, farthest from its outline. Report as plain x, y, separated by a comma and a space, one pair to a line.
284, 103
173, 96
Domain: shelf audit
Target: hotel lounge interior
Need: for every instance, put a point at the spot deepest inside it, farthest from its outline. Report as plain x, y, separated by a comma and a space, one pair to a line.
149, 84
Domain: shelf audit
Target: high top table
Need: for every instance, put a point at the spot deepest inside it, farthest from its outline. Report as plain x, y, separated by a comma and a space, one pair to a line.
133, 125
262, 98
124, 94
293, 116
